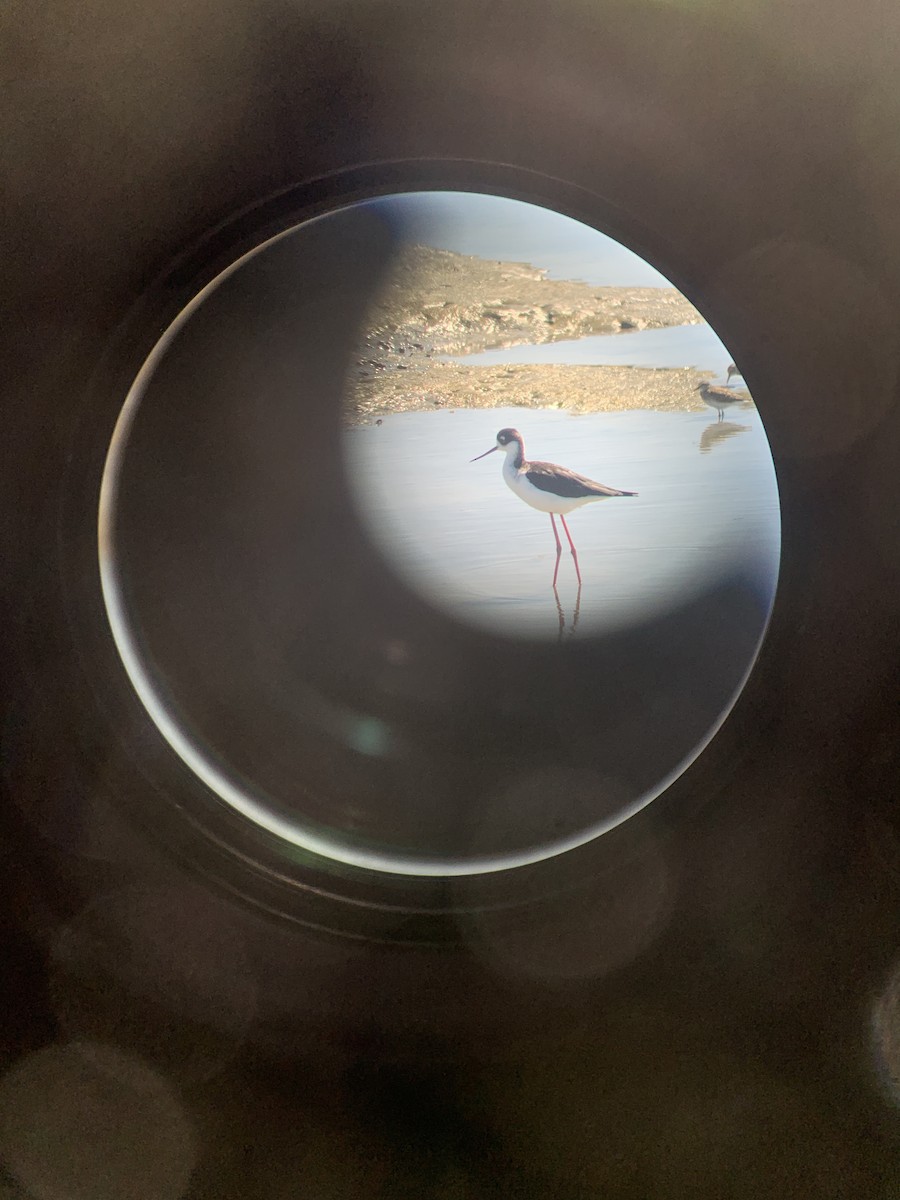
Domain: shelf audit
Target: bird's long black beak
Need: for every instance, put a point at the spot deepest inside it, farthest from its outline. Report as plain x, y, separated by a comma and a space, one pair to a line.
486, 453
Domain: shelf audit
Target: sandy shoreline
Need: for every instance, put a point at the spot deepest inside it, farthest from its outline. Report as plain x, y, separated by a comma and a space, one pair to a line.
438, 303
578, 389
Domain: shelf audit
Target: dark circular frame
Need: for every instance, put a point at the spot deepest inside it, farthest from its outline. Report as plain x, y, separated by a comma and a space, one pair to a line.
751, 155
184, 818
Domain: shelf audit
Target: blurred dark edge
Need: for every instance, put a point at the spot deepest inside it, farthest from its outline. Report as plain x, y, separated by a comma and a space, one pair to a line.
731, 1055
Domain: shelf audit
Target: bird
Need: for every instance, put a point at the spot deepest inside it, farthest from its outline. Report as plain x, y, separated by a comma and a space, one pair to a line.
732, 370
719, 398
547, 487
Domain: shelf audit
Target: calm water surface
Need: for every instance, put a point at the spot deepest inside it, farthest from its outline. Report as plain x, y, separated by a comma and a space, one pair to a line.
707, 509
678, 346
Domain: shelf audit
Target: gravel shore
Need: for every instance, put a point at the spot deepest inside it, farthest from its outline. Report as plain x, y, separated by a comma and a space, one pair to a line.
436, 303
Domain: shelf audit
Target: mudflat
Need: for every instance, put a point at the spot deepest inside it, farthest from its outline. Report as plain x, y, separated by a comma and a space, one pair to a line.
437, 302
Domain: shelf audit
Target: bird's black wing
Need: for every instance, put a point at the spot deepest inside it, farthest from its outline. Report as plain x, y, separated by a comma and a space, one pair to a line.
551, 478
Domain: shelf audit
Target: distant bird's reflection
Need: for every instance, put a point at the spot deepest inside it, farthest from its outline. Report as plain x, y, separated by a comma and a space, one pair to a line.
561, 613
719, 431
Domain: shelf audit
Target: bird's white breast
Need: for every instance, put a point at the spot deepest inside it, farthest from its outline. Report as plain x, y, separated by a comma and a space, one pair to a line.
547, 502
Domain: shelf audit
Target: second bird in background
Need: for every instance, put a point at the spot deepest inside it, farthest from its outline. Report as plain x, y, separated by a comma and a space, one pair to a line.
720, 398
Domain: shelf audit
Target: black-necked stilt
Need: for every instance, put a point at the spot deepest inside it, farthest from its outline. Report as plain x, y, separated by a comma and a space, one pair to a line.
719, 398
547, 487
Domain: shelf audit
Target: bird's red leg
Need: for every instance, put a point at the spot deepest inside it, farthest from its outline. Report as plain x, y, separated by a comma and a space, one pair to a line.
572, 544
558, 547
555, 534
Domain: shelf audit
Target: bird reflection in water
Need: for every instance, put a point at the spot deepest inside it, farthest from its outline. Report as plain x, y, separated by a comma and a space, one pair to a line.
561, 613
719, 431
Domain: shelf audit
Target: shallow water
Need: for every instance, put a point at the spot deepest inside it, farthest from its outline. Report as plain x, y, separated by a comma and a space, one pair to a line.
678, 346
707, 510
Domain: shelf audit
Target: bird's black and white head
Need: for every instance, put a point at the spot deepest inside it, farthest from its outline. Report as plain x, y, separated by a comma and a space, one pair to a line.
509, 440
